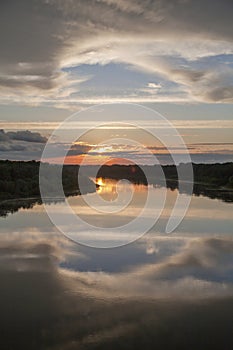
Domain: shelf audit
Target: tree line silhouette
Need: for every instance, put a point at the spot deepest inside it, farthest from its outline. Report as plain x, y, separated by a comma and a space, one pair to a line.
20, 179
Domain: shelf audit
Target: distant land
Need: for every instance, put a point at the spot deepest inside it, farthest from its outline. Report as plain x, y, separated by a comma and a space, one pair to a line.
211, 180
20, 180
215, 175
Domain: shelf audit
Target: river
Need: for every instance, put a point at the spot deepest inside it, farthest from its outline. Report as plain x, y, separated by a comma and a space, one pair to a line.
161, 291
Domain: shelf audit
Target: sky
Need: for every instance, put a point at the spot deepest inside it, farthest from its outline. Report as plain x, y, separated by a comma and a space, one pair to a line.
60, 57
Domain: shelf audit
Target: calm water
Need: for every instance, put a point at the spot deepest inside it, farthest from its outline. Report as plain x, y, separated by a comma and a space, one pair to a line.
164, 291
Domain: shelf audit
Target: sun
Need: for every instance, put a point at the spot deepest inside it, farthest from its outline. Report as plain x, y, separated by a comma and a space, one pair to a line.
100, 181
101, 150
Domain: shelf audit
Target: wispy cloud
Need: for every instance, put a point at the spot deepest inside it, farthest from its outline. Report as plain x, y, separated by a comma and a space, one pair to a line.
28, 145
186, 43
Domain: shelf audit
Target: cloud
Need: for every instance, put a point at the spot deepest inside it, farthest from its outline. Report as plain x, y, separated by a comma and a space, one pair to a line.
28, 145
112, 309
22, 135
12, 148
21, 145
200, 270
220, 94
77, 149
154, 86
27, 136
43, 41
3, 136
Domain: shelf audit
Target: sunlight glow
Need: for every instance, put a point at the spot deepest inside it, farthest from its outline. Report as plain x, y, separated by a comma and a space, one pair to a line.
103, 149
100, 181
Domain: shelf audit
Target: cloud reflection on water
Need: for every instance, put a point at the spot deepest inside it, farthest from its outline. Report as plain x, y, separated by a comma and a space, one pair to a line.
58, 295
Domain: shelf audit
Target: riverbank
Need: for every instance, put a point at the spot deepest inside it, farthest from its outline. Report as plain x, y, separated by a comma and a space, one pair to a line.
20, 179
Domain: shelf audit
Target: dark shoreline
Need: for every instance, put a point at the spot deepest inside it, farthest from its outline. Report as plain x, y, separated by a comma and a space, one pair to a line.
19, 181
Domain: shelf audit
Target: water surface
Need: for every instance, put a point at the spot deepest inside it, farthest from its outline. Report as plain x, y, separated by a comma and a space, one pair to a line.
162, 291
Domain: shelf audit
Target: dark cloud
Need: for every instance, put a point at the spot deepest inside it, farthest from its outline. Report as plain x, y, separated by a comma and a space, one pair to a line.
27, 136
220, 94
21, 145
27, 145
212, 144
45, 306
3, 136
78, 149
11, 148
40, 38
30, 37
203, 259
166, 17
